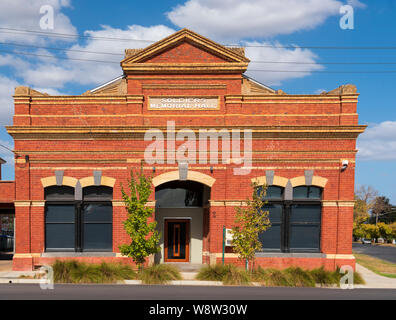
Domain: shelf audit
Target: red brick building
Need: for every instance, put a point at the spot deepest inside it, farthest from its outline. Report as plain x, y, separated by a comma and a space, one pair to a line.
74, 152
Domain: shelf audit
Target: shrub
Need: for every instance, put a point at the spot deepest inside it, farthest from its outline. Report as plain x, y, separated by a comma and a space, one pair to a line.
290, 277
236, 276
300, 277
159, 274
228, 274
212, 273
325, 278
73, 271
358, 279
271, 277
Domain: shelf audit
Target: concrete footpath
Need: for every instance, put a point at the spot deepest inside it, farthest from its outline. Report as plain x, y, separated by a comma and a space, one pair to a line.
373, 280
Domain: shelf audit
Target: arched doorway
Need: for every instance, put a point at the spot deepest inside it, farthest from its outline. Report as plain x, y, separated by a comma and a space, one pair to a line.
180, 218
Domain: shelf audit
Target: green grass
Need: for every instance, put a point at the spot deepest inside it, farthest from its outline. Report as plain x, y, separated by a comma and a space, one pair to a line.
73, 271
378, 266
159, 274
228, 274
290, 277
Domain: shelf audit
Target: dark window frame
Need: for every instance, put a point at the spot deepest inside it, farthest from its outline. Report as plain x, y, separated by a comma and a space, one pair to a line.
78, 223
286, 224
65, 203
187, 185
318, 224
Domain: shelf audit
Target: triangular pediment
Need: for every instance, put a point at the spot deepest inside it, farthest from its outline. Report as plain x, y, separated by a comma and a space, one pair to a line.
185, 50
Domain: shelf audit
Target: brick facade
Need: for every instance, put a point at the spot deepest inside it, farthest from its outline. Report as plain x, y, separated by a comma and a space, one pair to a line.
103, 130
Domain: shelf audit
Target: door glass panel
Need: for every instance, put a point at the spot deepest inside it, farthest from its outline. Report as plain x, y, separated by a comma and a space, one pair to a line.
177, 240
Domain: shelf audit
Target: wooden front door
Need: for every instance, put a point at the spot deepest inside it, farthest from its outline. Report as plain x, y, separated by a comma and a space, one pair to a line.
177, 240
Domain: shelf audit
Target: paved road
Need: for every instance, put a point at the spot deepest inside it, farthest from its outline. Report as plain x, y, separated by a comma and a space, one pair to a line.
132, 292
381, 252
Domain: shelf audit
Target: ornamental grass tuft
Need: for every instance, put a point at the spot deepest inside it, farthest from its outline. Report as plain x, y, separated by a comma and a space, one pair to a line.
73, 271
159, 274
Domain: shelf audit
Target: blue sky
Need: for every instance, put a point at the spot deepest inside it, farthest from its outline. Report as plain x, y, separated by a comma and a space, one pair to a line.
290, 23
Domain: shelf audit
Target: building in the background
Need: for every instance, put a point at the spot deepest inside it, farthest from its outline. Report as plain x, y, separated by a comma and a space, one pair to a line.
74, 152
7, 213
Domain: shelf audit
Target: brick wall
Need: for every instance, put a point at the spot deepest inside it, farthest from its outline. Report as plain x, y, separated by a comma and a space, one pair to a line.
80, 134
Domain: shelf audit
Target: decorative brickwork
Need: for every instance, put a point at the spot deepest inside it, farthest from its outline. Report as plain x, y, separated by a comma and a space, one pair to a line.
104, 131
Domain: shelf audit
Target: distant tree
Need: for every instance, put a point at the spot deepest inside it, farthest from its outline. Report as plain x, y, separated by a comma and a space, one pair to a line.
381, 208
367, 194
385, 231
364, 201
360, 211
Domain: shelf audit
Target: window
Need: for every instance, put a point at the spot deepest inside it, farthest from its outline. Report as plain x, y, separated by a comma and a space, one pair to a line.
271, 239
295, 225
78, 225
179, 194
60, 217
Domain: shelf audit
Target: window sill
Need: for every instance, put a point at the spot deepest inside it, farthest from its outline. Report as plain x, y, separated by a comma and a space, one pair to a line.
76, 254
290, 255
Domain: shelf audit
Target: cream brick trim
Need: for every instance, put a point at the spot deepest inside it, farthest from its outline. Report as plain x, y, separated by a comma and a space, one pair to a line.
227, 255
165, 177
19, 203
27, 255
278, 181
150, 204
69, 181
86, 182
201, 177
346, 203
119, 255
118, 203
192, 175
328, 256
340, 256
51, 181
319, 181
338, 203
20, 161
227, 203
38, 203
105, 181
316, 181
329, 203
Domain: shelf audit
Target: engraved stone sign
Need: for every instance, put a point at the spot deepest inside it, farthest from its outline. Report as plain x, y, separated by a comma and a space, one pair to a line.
183, 103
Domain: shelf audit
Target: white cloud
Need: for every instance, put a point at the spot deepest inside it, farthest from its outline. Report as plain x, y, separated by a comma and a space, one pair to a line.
357, 4
7, 87
25, 14
378, 142
97, 73
52, 74
235, 19
269, 52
